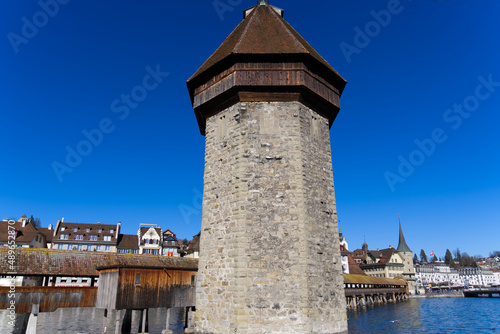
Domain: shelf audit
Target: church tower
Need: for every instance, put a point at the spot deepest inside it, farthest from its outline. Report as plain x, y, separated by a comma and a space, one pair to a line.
269, 249
407, 255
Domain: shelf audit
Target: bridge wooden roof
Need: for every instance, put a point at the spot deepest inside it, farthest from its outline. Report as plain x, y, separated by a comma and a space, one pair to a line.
360, 279
54, 262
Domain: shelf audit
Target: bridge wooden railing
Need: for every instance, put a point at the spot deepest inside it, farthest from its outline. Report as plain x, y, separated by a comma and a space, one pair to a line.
49, 298
366, 292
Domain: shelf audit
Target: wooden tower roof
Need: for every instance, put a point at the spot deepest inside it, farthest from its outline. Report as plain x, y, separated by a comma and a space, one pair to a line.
264, 54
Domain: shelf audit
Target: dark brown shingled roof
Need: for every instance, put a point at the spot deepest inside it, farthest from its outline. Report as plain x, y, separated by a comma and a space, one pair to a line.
354, 268
68, 228
24, 235
144, 229
128, 241
262, 32
42, 261
48, 233
195, 243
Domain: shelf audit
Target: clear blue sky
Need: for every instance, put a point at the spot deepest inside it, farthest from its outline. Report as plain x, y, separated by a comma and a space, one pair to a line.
408, 71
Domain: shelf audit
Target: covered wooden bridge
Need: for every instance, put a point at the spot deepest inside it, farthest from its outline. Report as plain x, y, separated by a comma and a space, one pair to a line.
164, 281
363, 290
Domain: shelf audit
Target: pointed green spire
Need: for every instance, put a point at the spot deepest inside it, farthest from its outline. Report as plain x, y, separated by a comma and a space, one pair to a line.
402, 246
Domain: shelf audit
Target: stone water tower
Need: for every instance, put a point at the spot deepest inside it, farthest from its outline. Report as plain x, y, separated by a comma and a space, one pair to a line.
270, 258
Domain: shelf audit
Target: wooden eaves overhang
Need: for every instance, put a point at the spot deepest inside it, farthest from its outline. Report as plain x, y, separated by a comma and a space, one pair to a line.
264, 59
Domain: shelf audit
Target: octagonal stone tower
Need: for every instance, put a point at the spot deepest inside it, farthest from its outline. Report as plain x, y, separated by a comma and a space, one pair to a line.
270, 256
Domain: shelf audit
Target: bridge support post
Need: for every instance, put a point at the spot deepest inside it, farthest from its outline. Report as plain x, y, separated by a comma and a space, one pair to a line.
135, 321
53, 282
167, 329
33, 319
144, 318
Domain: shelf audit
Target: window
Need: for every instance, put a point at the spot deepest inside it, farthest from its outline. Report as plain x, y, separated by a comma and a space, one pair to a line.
155, 251
108, 248
87, 229
63, 228
84, 247
79, 237
99, 230
193, 280
111, 231
93, 237
64, 236
138, 279
75, 229
107, 238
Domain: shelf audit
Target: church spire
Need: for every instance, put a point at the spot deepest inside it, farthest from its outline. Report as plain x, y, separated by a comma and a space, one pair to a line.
402, 246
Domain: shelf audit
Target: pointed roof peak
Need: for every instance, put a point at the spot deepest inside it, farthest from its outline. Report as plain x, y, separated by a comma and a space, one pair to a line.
402, 246
263, 32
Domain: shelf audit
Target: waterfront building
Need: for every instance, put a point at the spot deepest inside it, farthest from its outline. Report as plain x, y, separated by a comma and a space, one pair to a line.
49, 235
24, 233
193, 247
171, 246
270, 254
477, 276
383, 263
85, 237
439, 274
359, 255
128, 243
150, 239
436, 274
21, 233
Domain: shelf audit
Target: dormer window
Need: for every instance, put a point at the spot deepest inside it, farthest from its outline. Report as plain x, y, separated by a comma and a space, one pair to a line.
99, 230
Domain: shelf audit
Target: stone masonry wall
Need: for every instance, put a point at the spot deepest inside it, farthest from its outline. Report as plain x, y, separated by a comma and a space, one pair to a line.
270, 258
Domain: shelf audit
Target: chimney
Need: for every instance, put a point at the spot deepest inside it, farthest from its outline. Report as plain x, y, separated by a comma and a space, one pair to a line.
62, 220
378, 249
6, 220
25, 221
57, 226
118, 226
50, 227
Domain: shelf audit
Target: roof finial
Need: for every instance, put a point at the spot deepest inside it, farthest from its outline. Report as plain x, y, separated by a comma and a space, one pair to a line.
263, 2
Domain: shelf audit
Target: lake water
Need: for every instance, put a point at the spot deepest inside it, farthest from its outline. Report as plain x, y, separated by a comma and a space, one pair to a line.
433, 315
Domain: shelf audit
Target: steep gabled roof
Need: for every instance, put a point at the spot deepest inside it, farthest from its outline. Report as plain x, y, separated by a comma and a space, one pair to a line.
23, 235
354, 268
262, 32
402, 246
